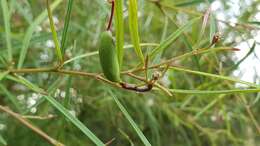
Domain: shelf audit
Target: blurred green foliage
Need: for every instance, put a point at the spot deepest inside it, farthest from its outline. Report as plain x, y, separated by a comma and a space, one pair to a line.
183, 119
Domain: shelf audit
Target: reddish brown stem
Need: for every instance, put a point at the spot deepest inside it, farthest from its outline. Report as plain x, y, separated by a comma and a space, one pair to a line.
111, 15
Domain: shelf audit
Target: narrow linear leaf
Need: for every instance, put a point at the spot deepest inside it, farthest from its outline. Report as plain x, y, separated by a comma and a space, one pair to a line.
206, 18
12, 98
158, 56
51, 89
128, 117
133, 27
54, 33
6, 15
213, 27
247, 54
66, 26
3, 74
59, 107
67, 99
210, 105
3, 60
24, 81
75, 121
165, 44
96, 52
254, 22
187, 43
189, 3
2, 140
216, 76
232, 91
36, 38
119, 20
30, 31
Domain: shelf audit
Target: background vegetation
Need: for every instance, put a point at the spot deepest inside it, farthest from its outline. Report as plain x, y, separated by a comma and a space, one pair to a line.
199, 103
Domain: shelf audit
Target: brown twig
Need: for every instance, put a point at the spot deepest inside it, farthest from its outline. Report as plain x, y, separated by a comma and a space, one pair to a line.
111, 15
110, 141
162, 88
48, 117
32, 127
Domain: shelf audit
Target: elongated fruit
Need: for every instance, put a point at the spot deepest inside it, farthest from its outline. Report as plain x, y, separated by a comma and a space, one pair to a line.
108, 57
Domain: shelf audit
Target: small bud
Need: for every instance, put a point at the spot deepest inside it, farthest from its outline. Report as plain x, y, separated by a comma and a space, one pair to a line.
215, 38
156, 75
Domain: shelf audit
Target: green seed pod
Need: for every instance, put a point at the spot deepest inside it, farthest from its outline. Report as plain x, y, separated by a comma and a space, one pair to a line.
108, 57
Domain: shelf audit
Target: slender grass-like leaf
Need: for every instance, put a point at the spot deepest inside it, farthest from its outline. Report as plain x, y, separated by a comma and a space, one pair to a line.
129, 118
133, 27
231, 91
215, 76
2, 140
206, 18
188, 44
119, 21
167, 42
213, 27
3, 74
61, 108
6, 15
188, 3
30, 31
67, 99
66, 26
96, 52
51, 89
254, 22
27, 15
3, 60
247, 54
75, 121
210, 105
54, 33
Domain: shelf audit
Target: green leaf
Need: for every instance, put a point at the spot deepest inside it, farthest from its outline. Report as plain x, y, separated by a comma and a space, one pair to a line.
66, 26
96, 52
2, 140
119, 20
247, 54
210, 105
30, 31
75, 121
59, 107
213, 27
133, 28
166, 43
254, 22
216, 76
6, 15
54, 33
3, 74
12, 98
128, 117
206, 18
188, 44
231, 91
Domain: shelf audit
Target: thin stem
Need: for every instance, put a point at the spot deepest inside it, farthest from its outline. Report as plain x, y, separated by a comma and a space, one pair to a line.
32, 127
62, 71
111, 15
192, 53
48, 117
54, 33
